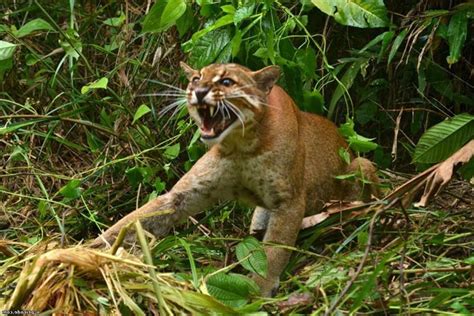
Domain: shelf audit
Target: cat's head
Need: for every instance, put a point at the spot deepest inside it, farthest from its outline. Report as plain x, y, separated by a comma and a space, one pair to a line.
225, 98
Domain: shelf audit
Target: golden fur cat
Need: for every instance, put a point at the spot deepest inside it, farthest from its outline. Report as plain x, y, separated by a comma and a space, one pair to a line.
263, 150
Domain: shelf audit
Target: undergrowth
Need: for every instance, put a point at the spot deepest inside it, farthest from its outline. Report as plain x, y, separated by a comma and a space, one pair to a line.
82, 143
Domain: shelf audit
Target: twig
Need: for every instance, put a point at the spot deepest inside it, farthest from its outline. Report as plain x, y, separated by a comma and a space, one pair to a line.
402, 258
349, 284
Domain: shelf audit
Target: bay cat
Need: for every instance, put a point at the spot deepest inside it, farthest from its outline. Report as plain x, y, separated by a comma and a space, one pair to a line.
262, 150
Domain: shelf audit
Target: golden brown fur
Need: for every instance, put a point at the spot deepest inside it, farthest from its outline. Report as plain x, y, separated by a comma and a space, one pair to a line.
278, 158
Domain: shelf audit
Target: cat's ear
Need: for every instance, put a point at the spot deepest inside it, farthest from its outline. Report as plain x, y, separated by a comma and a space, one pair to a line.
266, 77
190, 72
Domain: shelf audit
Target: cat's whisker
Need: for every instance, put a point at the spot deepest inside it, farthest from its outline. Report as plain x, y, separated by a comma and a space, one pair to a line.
166, 85
237, 112
246, 96
220, 108
163, 94
225, 110
177, 105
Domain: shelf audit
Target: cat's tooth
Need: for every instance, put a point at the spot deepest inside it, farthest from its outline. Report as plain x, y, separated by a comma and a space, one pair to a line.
211, 110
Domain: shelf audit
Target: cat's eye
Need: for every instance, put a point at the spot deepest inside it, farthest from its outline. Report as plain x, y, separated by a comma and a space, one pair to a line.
227, 82
195, 79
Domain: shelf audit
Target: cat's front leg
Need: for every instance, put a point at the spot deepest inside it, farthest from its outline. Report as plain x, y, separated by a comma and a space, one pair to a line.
206, 184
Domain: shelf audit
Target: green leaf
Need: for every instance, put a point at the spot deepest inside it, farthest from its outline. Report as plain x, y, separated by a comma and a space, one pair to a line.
208, 48
243, 13
362, 144
223, 21
357, 142
366, 112
231, 289
345, 156
117, 21
346, 83
358, 13
235, 43
171, 152
159, 185
73, 45
98, 84
442, 140
71, 190
5, 65
163, 14
142, 110
469, 260
13, 127
252, 256
184, 23
172, 12
206, 302
6, 50
33, 26
228, 8
134, 176
396, 44
457, 33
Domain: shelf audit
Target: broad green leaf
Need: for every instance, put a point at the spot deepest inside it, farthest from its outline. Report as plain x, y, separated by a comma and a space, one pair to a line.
396, 44
151, 23
243, 13
142, 110
72, 189
172, 12
6, 50
457, 33
163, 14
98, 84
223, 21
33, 26
252, 256
171, 152
442, 140
231, 289
184, 23
208, 48
358, 13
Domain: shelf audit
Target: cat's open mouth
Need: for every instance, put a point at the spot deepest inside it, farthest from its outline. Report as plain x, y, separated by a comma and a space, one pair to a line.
215, 120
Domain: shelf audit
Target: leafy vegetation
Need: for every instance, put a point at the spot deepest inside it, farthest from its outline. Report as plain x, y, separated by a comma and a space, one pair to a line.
83, 142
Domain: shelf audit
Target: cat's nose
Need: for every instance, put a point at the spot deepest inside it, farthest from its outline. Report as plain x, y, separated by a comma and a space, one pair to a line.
201, 93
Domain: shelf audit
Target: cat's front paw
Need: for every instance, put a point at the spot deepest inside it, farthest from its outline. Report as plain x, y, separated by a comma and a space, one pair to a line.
268, 286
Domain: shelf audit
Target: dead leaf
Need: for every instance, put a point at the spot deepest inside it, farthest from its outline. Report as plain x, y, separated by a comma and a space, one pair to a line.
295, 300
444, 171
333, 208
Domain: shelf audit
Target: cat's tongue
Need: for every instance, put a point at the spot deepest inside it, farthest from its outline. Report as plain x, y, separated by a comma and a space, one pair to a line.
207, 131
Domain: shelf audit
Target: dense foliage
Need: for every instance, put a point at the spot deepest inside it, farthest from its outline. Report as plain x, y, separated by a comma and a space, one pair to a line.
82, 141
